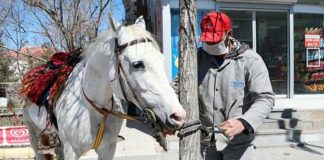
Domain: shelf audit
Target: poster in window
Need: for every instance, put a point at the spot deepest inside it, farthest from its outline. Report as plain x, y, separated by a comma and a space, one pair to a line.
313, 57
312, 40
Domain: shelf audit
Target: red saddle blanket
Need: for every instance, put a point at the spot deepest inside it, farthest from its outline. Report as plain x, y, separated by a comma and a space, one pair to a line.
38, 81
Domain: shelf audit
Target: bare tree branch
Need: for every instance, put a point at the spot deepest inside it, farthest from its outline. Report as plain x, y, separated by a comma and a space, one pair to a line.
102, 8
5, 12
54, 16
77, 21
46, 33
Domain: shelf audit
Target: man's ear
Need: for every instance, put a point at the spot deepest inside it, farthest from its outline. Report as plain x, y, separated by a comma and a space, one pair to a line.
230, 32
228, 36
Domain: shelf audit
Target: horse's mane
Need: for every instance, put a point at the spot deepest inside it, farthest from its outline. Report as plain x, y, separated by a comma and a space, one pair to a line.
140, 32
109, 35
103, 38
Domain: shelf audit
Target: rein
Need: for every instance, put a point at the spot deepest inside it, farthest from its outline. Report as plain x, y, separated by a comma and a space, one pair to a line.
105, 113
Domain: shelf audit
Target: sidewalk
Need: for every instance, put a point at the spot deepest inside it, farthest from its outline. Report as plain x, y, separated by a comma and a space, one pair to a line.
312, 151
139, 145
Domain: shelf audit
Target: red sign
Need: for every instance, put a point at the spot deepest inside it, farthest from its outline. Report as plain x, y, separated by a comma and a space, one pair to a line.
312, 40
1, 136
17, 135
14, 135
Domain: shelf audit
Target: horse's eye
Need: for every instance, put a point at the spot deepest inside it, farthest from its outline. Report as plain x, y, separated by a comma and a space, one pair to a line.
138, 65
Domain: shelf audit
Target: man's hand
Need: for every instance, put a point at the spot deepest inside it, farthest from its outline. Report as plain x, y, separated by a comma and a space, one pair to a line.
232, 127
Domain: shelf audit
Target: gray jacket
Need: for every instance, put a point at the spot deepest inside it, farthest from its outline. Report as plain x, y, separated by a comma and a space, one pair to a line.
239, 88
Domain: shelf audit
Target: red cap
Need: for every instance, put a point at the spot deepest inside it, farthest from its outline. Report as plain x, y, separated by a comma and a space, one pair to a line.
213, 25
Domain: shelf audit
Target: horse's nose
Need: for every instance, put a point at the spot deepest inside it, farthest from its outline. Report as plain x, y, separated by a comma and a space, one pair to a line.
178, 116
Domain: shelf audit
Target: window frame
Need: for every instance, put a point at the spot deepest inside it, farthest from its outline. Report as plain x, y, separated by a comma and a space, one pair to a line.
267, 8
307, 9
3, 90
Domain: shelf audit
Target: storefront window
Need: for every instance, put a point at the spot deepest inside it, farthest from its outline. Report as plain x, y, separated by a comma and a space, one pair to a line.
175, 36
316, 2
309, 53
242, 25
272, 46
3, 92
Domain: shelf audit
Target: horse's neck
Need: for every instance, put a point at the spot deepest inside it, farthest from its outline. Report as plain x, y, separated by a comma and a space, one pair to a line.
100, 80
94, 83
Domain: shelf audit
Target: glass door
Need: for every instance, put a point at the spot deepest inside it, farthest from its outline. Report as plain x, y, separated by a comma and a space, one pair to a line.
271, 40
242, 25
268, 31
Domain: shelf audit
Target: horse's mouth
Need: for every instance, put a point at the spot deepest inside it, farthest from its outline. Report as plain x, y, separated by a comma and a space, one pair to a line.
160, 128
165, 127
168, 131
161, 132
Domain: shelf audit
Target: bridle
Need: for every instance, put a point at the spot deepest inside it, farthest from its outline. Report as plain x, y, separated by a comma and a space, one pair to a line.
147, 113
121, 71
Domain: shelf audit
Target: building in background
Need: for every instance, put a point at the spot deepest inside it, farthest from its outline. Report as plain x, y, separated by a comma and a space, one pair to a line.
20, 63
288, 34
25, 58
151, 10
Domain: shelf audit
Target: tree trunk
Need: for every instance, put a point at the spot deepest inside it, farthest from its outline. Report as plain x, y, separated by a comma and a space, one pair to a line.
188, 83
130, 16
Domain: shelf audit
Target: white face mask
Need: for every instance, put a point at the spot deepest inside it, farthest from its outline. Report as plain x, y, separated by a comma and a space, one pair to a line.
216, 49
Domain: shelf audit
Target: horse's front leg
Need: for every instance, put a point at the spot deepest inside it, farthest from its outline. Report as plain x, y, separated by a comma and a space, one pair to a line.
33, 142
33, 129
59, 151
107, 152
69, 153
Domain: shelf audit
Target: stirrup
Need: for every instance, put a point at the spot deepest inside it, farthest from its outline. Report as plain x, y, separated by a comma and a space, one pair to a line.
47, 142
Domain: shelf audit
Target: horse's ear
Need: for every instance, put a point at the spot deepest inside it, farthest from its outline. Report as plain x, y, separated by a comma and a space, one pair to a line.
116, 26
140, 22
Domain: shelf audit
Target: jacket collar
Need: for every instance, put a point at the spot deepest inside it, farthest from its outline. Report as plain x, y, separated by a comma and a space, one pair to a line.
237, 49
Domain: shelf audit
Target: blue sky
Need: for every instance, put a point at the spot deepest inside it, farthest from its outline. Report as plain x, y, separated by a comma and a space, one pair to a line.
34, 39
119, 13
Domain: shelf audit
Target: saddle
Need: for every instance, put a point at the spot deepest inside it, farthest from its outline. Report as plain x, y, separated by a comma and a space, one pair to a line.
47, 80
43, 86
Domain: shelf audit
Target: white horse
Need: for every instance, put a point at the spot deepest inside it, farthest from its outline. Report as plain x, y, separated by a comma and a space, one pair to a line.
107, 74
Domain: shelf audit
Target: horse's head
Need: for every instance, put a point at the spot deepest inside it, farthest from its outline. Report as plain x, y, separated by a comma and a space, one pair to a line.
142, 64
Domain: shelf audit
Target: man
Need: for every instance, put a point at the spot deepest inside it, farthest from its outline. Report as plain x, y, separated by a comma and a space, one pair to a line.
235, 93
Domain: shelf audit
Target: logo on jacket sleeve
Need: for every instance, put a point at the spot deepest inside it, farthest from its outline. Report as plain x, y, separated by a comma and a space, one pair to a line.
237, 84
